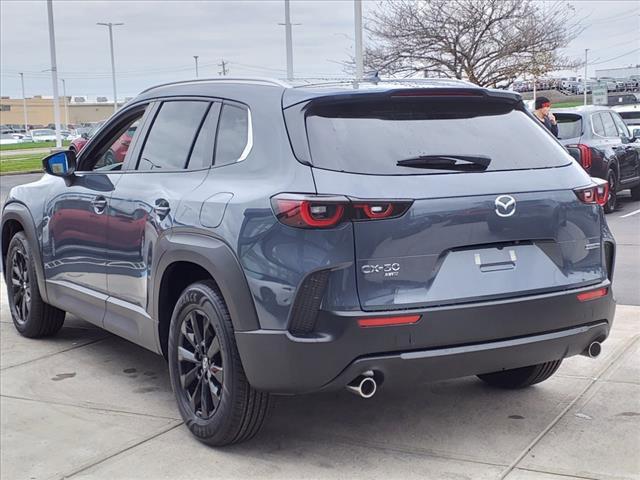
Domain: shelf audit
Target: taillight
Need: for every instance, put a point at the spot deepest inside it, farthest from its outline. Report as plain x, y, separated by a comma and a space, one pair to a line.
597, 193
585, 155
325, 211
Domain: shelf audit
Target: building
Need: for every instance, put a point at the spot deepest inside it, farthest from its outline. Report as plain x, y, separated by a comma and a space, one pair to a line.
40, 111
624, 72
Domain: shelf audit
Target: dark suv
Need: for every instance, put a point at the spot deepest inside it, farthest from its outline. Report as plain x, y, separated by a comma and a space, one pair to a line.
268, 239
600, 141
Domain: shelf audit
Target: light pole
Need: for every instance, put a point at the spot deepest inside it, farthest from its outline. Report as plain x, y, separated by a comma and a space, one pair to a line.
110, 25
54, 73
195, 57
288, 39
24, 105
584, 82
66, 107
357, 10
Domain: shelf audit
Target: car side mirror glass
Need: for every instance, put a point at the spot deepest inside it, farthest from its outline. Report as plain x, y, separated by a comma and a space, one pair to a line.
60, 164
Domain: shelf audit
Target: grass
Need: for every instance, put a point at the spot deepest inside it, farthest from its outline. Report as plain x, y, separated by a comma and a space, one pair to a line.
21, 163
26, 146
567, 104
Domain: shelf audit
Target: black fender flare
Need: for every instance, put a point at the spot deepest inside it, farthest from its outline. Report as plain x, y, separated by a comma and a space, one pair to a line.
217, 258
20, 213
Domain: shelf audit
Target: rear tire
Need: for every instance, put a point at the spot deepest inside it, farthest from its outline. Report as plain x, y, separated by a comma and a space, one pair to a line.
612, 201
521, 377
202, 352
31, 316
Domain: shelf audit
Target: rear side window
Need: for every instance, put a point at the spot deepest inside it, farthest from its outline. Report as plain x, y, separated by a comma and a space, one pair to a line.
202, 154
171, 136
598, 126
371, 137
234, 135
569, 125
609, 126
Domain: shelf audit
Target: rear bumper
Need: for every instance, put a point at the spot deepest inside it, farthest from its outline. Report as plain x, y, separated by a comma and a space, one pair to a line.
447, 342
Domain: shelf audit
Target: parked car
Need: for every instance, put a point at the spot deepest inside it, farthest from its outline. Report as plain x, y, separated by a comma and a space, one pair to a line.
8, 139
85, 135
43, 135
631, 116
601, 142
279, 240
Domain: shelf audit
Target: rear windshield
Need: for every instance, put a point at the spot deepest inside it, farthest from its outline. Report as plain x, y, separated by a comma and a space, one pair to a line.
569, 125
371, 137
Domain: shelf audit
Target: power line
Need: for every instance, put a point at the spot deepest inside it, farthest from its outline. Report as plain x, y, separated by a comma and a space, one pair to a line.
615, 58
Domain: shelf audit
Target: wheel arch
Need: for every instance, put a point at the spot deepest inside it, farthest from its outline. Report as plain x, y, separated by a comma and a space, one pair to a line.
185, 258
15, 218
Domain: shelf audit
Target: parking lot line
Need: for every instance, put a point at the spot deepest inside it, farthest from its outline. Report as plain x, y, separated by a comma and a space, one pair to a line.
635, 212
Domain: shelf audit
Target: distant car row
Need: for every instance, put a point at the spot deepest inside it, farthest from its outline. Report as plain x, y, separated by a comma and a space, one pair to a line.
10, 135
576, 86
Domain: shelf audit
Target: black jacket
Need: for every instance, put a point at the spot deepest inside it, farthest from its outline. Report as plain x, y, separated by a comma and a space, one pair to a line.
551, 127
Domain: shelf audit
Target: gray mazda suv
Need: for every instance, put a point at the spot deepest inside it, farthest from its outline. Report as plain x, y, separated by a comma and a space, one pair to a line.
271, 239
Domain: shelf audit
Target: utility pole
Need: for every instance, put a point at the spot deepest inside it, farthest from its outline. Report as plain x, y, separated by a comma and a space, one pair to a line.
195, 57
288, 39
110, 25
357, 10
66, 107
54, 73
223, 65
584, 82
24, 105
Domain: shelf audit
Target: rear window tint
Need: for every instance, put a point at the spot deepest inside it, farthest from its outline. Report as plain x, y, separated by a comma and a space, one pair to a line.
370, 137
569, 125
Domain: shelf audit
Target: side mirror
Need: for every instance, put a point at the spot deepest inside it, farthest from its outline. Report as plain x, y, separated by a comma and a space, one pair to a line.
60, 164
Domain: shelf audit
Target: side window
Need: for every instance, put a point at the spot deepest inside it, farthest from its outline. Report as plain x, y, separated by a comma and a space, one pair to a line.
234, 135
202, 153
172, 133
112, 150
609, 126
623, 131
598, 127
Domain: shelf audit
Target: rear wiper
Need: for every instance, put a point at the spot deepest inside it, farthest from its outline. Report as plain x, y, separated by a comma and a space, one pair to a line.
473, 163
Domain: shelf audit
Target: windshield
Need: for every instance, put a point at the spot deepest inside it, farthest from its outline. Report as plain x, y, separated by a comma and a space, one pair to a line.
569, 125
371, 137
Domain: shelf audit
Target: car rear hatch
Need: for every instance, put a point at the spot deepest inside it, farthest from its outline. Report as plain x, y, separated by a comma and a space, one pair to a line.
473, 231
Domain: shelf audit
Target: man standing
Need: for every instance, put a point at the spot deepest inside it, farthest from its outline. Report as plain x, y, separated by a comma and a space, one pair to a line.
543, 113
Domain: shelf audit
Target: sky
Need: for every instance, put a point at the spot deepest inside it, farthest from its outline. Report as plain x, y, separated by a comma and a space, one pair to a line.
159, 38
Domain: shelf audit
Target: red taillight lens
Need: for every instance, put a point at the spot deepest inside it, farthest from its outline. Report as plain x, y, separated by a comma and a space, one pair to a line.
592, 295
585, 155
598, 193
324, 211
388, 321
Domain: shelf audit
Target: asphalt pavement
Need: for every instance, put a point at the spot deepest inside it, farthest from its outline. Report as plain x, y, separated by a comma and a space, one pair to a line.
88, 404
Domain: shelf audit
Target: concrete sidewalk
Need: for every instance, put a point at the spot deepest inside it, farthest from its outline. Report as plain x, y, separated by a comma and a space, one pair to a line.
87, 404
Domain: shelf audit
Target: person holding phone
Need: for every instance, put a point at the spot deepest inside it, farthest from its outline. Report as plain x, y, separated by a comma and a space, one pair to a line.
543, 113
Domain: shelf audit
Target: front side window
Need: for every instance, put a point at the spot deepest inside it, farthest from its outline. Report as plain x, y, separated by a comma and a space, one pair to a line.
172, 134
115, 154
234, 135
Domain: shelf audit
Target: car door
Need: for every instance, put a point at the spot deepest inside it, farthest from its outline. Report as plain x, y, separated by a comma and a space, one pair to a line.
615, 143
629, 153
74, 230
145, 206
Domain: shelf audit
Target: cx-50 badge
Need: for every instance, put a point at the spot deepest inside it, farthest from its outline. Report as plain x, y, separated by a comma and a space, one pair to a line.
388, 269
505, 205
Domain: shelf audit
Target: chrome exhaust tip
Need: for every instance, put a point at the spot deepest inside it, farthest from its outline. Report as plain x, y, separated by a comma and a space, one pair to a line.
364, 385
593, 350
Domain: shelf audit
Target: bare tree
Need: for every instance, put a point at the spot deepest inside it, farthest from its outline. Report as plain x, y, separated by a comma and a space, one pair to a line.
487, 42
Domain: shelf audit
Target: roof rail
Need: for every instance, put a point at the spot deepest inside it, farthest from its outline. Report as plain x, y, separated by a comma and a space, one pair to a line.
265, 80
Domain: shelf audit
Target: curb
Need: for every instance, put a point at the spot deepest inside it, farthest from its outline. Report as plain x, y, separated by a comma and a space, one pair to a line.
21, 173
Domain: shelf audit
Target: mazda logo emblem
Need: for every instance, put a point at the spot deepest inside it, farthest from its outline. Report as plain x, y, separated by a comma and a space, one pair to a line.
505, 205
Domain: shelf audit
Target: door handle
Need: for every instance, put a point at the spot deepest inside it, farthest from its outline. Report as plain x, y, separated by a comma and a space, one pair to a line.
162, 208
99, 204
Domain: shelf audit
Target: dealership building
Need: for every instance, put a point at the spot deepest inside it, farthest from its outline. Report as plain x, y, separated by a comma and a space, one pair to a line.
624, 72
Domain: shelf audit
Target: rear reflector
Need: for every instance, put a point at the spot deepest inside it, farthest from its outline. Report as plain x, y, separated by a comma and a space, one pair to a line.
592, 295
388, 321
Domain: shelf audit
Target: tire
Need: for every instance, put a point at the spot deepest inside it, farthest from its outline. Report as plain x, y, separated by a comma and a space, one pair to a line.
521, 377
233, 411
31, 316
612, 201
635, 193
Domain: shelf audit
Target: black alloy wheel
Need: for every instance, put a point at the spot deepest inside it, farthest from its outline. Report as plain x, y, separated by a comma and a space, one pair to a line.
20, 286
200, 364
